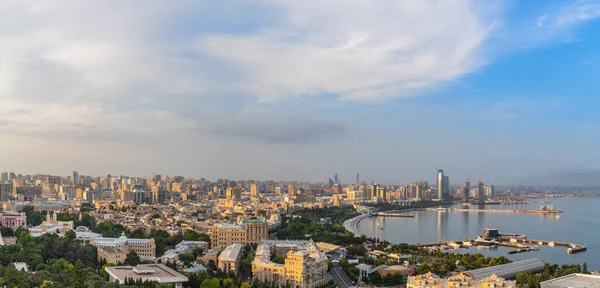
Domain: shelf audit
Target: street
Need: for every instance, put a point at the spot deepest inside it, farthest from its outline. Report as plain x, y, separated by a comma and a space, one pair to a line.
339, 276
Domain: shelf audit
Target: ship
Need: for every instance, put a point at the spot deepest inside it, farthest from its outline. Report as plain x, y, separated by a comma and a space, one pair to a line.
482, 242
552, 244
454, 245
576, 248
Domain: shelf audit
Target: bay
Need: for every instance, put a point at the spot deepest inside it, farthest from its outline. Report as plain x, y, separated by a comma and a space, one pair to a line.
579, 224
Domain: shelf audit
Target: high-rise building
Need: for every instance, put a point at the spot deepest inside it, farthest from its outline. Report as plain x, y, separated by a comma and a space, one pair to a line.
480, 193
75, 178
381, 192
291, 190
440, 185
237, 193
446, 188
254, 189
465, 192
371, 192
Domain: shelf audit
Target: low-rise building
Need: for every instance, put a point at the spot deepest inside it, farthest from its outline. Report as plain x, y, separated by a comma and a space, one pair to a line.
249, 231
145, 248
52, 226
305, 265
430, 280
158, 273
229, 259
13, 220
573, 281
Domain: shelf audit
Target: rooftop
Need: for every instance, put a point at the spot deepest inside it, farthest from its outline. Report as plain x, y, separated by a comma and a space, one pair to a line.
573, 281
231, 253
151, 272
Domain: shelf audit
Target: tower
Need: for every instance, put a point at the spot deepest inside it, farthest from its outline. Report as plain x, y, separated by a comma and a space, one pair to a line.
480, 193
466, 189
357, 179
336, 179
440, 184
75, 178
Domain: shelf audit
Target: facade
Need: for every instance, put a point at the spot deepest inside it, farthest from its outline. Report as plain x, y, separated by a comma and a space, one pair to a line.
249, 231
13, 220
145, 248
465, 192
51, 225
254, 189
480, 193
158, 273
6, 190
305, 265
229, 260
443, 186
431, 280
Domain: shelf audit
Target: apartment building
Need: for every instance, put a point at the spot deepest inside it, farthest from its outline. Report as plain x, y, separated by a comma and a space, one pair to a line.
305, 265
249, 231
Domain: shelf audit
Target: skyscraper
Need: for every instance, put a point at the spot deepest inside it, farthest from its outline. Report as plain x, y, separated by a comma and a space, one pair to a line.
440, 185
254, 189
446, 188
480, 193
465, 191
75, 178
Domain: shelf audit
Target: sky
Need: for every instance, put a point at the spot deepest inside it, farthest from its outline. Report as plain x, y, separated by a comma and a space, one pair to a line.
502, 91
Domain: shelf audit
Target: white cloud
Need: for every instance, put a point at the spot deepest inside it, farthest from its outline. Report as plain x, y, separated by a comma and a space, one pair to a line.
573, 14
360, 50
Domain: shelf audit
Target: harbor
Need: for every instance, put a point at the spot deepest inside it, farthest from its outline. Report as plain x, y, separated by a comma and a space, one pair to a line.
492, 238
549, 209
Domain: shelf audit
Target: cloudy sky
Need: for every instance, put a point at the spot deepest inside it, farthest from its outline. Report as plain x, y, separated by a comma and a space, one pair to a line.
506, 91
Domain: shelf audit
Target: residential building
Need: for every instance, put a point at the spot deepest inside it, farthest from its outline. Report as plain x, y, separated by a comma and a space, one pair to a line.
305, 265
13, 220
254, 189
158, 273
249, 231
229, 259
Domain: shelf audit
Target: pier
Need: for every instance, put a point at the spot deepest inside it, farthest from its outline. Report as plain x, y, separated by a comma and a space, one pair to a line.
553, 212
391, 214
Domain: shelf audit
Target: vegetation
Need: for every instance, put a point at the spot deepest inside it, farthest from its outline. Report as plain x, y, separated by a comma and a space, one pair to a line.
532, 280
305, 225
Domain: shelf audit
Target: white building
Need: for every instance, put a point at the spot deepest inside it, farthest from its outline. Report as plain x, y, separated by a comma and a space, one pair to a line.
51, 225
158, 273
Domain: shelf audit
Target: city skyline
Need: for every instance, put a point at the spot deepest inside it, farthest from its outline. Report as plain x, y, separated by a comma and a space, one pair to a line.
501, 90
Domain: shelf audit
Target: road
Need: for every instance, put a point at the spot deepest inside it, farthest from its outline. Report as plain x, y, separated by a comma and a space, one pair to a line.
339, 276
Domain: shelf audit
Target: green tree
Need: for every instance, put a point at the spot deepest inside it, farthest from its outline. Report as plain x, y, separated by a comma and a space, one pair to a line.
132, 259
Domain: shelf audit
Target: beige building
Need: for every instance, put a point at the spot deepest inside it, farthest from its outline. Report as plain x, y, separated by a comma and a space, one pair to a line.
145, 248
229, 260
305, 265
431, 280
254, 189
249, 231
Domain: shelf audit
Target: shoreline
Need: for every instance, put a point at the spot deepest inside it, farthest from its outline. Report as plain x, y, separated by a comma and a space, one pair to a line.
351, 225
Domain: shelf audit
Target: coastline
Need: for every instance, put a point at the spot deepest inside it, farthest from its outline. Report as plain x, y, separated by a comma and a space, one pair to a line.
351, 224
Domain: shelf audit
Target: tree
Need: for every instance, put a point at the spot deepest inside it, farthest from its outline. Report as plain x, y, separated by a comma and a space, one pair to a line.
584, 269
228, 283
132, 259
47, 284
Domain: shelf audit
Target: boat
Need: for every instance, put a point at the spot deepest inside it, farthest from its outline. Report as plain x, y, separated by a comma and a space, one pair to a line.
576, 249
557, 216
513, 240
552, 244
467, 243
486, 246
541, 243
442, 209
453, 245
482, 242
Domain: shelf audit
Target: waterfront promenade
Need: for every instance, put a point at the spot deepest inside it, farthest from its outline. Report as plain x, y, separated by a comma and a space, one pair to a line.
352, 224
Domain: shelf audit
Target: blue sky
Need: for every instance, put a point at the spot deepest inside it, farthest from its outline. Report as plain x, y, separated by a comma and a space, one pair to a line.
505, 91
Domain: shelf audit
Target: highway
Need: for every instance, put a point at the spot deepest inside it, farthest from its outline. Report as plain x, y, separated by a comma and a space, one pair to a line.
339, 276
